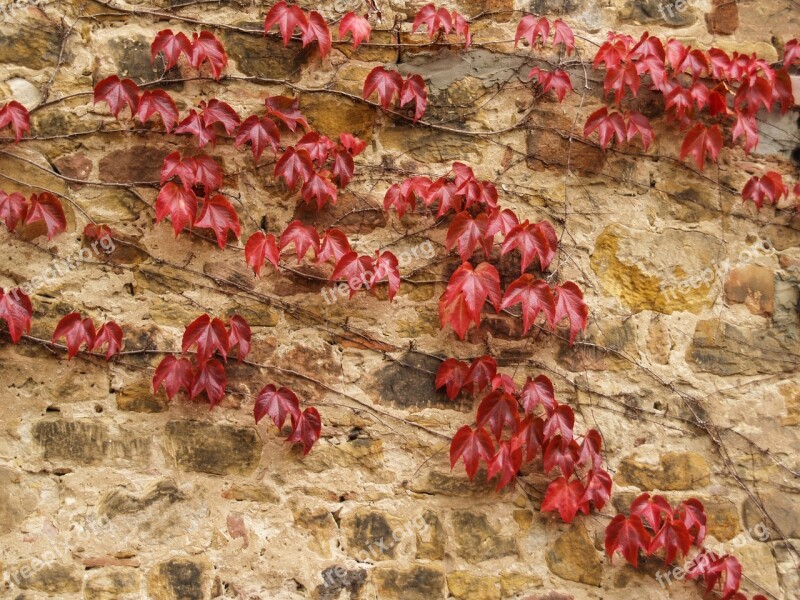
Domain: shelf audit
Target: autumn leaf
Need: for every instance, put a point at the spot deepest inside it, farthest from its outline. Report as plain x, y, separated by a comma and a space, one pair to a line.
209, 335
215, 111
385, 266
294, 165
452, 375
117, 94
563, 35
258, 131
334, 245
413, 90
471, 446
693, 516
607, 126
160, 103
317, 29
639, 125
318, 146
532, 241
172, 45
481, 372
16, 311
770, 186
673, 537
194, 125
206, 47
218, 215
506, 463
288, 18
261, 247
538, 392
386, 83
47, 208
13, 208
286, 110
652, 510
359, 27
561, 453
306, 429
498, 410
174, 374
627, 536
467, 233
304, 238
77, 331
466, 292
701, 140
319, 187
16, 115
209, 377
278, 404
239, 335
179, 204
531, 28
109, 335
598, 488
565, 496
570, 304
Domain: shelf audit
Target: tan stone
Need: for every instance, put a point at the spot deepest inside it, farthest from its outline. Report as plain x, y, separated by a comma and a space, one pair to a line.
16, 500
113, 583
180, 579
476, 540
45, 575
418, 582
213, 448
676, 471
513, 583
752, 286
466, 585
572, 556
723, 18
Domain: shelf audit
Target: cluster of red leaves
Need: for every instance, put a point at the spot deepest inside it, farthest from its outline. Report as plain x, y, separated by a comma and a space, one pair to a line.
119, 93
311, 24
711, 84
320, 165
204, 372
15, 115
15, 209
196, 174
769, 187
536, 31
203, 47
524, 424
16, 311
624, 127
653, 526
280, 403
78, 331
440, 20
389, 84
557, 80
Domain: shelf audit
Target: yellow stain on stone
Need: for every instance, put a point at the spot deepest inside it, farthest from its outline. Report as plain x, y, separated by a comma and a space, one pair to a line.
640, 291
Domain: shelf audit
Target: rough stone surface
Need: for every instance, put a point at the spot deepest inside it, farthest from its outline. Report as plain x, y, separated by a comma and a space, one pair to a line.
573, 557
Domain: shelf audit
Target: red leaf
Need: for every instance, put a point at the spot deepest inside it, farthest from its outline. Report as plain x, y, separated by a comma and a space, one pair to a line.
47, 208
13, 208
260, 247
334, 245
506, 463
278, 404
93, 231
206, 47
239, 334
699, 140
461, 27
467, 233
617, 78
318, 146
452, 374
560, 453
157, 102
386, 267
465, 295
209, 377
317, 29
532, 241
791, 53
769, 186
171, 44
607, 125
501, 221
569, 303
497, 410
713, 568
219, 216
76, 331
693, 515
306, 429
446, 193
194, 125
357, 270
303, 236
598, 488
414, 90
352, 144
16, 311
530, 434
481, 372
294, 165
505, 382
220, 112
17, 116
386, 83
560, 422
433, 19
319, 186
174, 374
286, 110
536, 392
591, 445
639, 125
258, 131
177, 202
110, 335
534, 295
343, 167
209, 335
358, 26
471, 446
626, 536
563, 35
287, 18
566, 497
673, 537
204, 170
117, 93
531, 28
651, 509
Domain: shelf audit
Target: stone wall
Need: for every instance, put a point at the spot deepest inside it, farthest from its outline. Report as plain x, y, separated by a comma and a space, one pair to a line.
689, 366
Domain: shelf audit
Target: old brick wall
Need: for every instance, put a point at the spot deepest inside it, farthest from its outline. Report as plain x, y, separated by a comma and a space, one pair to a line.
108, 491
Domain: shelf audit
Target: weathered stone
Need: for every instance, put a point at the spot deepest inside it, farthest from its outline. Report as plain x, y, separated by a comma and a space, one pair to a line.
723, 18
550, 148
29, 46
217, 449
322, 527
717, 348
513, 583
16, 500
180, 579
131, 55
74, 166
782, 508
408, 383
140, 163
430, 146
347, 117
466, 585
790, 392
361, 453
370, 535
415, 583
113, 583
659, 341
476, 540
139, 397
431, 539
75, 441
121, 501
253, 493
572, 556
445, 484
336, 579
723, 519
263, 56
656, 11
676, 471
45, 575
752, 286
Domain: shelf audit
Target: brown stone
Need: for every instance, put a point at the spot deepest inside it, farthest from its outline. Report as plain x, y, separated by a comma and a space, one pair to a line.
370, 535
31, 46
139, 397
347, 117
676, 471
723, 18
513, 583
16, 500
138, 163
415, 583
180, 579
213, 448
476, 540
44, 575
431, 539
752, 286
252, 493
551, 149
573, 556
321, 526
466, 585
114, 583
121, 501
